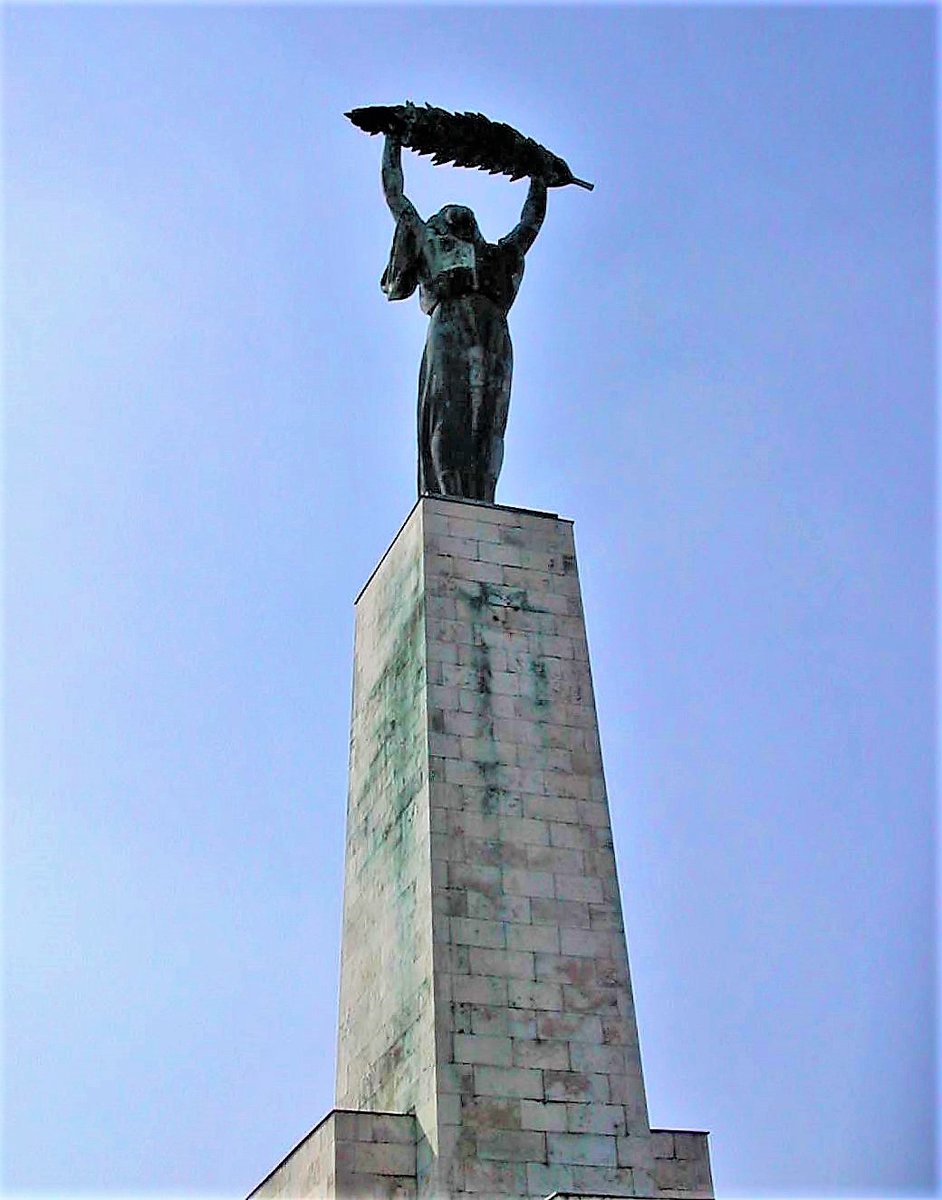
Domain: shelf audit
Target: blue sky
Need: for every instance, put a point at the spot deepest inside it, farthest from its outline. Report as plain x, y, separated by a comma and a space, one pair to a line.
724, 372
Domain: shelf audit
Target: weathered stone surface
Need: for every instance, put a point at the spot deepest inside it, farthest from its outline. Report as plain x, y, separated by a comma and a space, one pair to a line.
349, 1154
484, 975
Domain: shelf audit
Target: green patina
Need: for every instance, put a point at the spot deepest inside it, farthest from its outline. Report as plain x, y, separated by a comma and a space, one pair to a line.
492, 595
540, 683
384, 809
389, 786
493, 800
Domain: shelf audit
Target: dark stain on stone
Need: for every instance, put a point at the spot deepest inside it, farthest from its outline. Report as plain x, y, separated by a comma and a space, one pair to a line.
491, 802
540, 683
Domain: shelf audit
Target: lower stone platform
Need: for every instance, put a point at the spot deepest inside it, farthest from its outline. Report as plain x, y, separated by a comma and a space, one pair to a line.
352, 1155
372, 1156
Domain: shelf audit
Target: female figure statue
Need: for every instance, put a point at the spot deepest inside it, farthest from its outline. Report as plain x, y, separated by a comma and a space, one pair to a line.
466, 286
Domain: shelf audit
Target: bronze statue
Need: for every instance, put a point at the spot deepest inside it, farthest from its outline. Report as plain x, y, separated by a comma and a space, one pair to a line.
466, 286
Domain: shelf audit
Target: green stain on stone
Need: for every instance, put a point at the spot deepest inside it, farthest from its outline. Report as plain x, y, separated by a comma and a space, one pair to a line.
391, 724
540, 683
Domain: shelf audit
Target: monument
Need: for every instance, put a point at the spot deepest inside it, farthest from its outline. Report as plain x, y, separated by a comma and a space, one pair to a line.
487, 1041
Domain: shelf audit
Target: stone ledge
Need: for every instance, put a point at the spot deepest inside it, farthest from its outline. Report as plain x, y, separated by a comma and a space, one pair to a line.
594, 1196
348, 1154
486, 511
682, 1164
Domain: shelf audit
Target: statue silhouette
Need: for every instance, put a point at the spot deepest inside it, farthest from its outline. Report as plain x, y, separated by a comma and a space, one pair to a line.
466, 286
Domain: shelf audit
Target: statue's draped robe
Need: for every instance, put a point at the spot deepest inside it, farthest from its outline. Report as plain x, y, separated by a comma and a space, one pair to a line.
466, 285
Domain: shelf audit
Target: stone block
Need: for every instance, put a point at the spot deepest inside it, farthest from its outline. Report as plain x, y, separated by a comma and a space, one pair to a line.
672, 1175
597, 1118
599, 999
555, 860
523, 830
480, 989
376, 1158
461, 771
499, 908
474, 877
529, 994
545, 1179
452, 959
689, 1145
544, 938
608, 916
519, 881
605, 1181
471, 932
503, 1022
536, 1114
635, 1151
609, 1060
616, 1031
551, 808
586, 1149
489, 1114
490, 1179
549, 1055
471, 1048
513, 1081
571, 969
513, 964
444, 745
455, 1078
571, 914
576, 1086
375, 1187
588, 943
579, 887
465, 528
594, 813
571, 837
508, 1145
571, 1027
627, 1089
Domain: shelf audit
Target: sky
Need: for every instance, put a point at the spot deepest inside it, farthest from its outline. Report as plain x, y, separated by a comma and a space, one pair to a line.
724, 373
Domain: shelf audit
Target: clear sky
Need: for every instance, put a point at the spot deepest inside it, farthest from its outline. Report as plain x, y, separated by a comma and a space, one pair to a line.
724, 374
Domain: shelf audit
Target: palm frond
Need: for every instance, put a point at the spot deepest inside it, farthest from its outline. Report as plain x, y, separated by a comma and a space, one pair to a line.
467, 140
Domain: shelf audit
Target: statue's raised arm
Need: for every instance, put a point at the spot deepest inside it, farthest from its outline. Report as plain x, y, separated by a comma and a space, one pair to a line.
523, 235
393, 183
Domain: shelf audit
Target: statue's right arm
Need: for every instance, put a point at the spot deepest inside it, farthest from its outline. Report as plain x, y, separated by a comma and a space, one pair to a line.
399, 204
531, 219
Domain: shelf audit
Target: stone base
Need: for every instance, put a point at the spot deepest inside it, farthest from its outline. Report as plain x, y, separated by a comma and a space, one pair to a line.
353, 1155
682, 1164
372, 1156
484, 983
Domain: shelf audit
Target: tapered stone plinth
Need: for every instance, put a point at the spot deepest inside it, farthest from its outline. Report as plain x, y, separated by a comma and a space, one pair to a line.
485, 989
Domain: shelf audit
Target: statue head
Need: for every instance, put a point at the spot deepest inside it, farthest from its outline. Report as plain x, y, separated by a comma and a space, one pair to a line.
458, 221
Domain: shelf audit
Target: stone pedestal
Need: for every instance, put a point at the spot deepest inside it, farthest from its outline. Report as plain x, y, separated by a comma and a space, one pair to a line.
484, 979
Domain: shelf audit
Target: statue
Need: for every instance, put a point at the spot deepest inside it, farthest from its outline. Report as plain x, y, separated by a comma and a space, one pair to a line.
466, 287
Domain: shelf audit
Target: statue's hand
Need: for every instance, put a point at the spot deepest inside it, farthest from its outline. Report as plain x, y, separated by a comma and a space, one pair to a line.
401, 128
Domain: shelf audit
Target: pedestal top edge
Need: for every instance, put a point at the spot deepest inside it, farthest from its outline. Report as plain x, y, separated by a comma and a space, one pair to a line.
428, 498
511, 508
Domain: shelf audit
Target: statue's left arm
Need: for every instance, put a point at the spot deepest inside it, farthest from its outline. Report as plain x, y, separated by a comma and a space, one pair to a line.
531, 219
